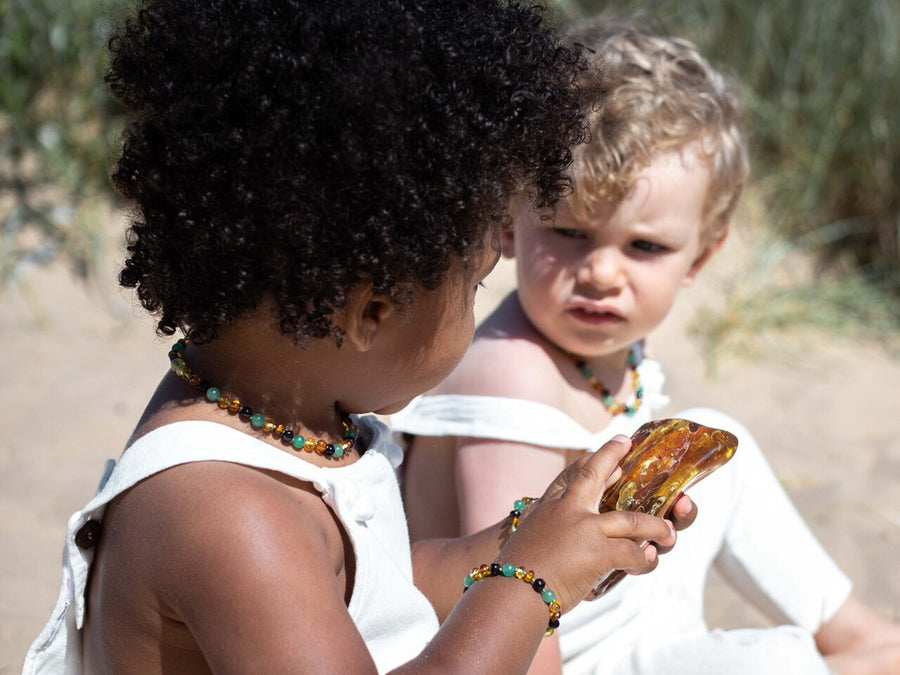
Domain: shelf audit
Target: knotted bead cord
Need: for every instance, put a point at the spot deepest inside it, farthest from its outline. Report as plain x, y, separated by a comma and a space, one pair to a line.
518, 508
612, 405
257, 420
538, 584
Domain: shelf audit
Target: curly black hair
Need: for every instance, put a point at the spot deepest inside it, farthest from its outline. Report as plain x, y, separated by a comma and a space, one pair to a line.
289, 149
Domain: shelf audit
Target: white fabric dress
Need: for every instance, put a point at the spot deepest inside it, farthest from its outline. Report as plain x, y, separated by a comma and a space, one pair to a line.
394, 618
746, 526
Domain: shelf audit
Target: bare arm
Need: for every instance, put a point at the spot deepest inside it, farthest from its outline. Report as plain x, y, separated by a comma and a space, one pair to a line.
585, 545
859, 641
490, 476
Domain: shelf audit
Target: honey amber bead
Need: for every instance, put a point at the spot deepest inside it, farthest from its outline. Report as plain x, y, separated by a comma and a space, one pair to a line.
234, 406
279, 429
179, 366
320, 447
269, 425
223, 402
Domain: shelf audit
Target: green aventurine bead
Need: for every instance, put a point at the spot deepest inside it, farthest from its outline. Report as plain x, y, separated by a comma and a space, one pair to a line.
298, 442
468, 581
508, 570
213, 394
548, 596
338, 450
351, 433
518, 505
178, 347
257, 420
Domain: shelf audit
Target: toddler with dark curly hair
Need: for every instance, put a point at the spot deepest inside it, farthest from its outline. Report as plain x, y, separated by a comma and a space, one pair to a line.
318, 190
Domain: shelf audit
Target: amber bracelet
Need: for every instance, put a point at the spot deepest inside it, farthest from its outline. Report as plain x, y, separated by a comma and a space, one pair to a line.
519, 507
538, 584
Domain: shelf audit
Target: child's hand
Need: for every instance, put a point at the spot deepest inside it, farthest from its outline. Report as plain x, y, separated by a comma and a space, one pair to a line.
571, 545
682, 515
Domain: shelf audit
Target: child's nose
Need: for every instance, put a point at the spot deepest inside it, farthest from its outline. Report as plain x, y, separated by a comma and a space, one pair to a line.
601, 268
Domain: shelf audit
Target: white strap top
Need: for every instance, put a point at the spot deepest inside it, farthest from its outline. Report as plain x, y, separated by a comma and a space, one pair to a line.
394, 618
522, 420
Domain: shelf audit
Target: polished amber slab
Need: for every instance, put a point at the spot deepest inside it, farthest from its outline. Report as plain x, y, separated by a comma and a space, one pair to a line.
665, 459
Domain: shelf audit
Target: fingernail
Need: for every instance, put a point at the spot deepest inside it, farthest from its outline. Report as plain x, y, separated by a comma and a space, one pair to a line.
621, 438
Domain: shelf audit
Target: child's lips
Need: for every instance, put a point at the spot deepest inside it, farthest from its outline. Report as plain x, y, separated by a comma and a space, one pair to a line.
596, 317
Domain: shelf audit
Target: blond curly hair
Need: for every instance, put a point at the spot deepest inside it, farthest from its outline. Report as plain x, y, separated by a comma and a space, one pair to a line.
655, 94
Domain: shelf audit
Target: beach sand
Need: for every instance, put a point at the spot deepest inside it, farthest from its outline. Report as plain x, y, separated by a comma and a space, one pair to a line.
79, 362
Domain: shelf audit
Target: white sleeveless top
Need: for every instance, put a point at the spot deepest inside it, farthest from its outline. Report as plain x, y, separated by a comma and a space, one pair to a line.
395, 619
522, 420
654, 623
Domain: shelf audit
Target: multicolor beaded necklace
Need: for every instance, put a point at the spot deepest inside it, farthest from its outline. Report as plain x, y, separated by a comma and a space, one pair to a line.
612, 405
258, 420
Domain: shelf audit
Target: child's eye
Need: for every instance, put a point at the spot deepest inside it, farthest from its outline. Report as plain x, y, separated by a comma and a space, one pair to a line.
568, 232
648, 246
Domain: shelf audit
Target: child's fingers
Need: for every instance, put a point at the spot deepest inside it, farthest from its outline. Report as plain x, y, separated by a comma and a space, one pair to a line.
593, 474
684, 512
625, 555
638, 527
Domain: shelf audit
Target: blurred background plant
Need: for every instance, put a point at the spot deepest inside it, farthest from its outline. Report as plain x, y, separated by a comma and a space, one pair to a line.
57, 126
821, 81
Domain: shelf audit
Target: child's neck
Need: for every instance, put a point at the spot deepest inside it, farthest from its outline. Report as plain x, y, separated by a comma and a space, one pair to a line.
612, 375
297, 387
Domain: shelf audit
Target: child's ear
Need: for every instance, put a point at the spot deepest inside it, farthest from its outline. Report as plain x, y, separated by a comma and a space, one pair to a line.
706, 253
364, 316
508, 242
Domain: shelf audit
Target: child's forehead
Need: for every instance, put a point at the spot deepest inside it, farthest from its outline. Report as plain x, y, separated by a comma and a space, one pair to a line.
688, 161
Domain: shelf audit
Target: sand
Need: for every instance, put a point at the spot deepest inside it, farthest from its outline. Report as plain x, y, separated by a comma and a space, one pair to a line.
79, 362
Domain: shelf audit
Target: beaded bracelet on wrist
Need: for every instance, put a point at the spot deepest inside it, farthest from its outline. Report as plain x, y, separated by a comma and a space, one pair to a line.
538, 584
257, 420
519, 507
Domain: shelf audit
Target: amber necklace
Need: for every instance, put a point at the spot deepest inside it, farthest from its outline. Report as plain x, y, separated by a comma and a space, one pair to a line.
612, 405
257, 420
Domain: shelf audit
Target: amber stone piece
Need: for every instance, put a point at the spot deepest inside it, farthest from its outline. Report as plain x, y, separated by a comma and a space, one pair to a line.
666, 458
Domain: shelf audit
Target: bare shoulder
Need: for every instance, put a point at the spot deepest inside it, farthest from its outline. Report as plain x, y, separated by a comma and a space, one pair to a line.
216, 559
508, 357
